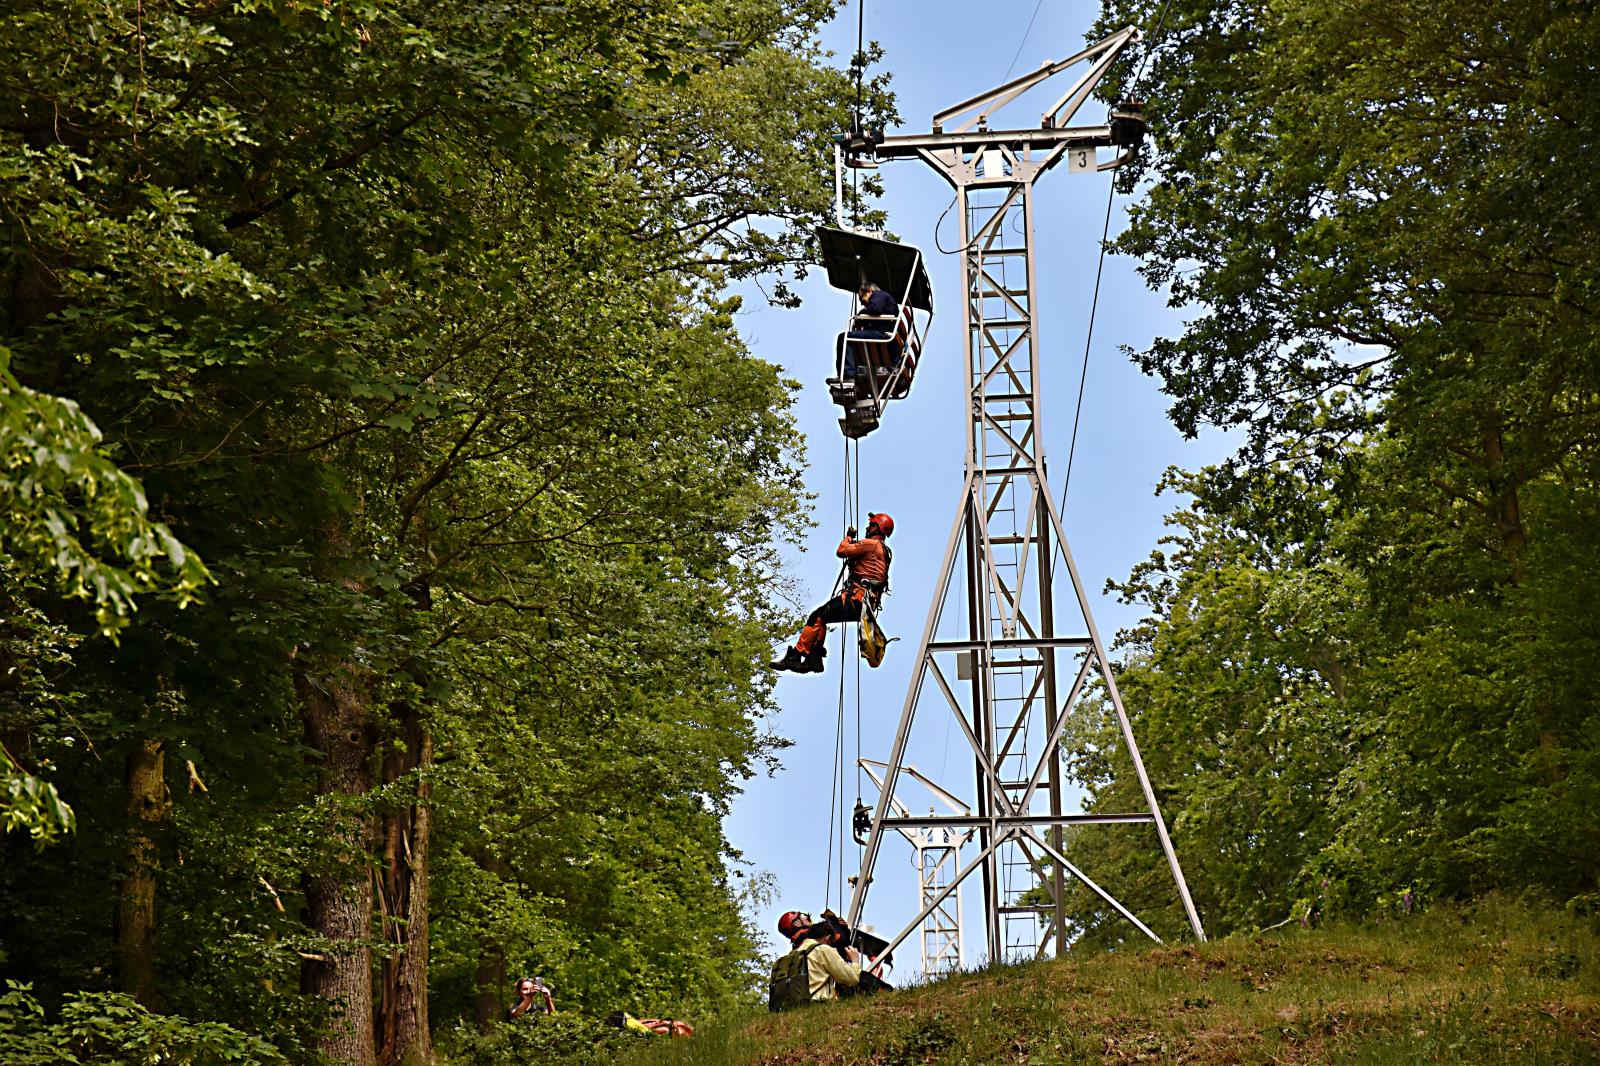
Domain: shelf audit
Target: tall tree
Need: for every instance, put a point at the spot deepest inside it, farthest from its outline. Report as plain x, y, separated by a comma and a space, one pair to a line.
1377, 215
411, 321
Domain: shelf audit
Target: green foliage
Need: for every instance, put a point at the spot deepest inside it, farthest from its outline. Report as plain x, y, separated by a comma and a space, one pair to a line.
570, 1039
413, 322
108, 1029
1362, 681
1237, 686
66, 510
1397, 197
29, 804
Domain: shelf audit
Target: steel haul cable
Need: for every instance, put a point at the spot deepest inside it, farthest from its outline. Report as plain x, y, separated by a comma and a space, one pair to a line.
1038, 4
1100, 263
1012, 65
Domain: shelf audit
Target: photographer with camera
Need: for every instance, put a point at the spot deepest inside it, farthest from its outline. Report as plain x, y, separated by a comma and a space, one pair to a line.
813, 969
529, 991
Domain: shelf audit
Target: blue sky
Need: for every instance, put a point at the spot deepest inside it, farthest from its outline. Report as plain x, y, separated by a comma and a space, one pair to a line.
941, 52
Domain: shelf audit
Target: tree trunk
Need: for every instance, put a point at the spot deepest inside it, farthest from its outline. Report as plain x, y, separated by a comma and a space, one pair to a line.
148, 802
490, 978
490, 1004
335, 706
1505, 509
402, 1019
1507, 515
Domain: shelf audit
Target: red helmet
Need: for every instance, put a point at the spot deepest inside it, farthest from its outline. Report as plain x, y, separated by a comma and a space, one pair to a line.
794, 923
884, 523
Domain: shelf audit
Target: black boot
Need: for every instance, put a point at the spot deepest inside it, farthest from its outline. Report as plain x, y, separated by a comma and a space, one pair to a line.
811, 664
792, 660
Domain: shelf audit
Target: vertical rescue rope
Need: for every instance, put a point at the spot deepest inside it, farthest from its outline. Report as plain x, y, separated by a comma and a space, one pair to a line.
860, 63
836, 781
838, 807
838, 762
860, 618
833, 799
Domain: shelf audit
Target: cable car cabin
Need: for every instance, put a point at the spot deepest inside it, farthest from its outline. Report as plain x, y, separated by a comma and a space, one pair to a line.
883, 349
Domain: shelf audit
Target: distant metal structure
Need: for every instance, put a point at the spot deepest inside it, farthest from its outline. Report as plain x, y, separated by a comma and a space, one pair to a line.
937, 851
1000, 672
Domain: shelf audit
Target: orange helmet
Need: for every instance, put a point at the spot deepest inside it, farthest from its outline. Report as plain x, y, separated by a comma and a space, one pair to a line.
884, 523
794, 923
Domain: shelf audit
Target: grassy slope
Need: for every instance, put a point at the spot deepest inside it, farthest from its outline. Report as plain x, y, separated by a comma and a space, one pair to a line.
1495, 983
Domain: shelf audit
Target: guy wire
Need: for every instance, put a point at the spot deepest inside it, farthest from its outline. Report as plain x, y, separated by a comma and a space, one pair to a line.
1094, 303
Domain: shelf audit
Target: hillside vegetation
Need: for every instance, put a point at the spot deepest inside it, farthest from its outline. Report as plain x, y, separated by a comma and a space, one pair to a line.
392, 519
1365, 668
1486, 984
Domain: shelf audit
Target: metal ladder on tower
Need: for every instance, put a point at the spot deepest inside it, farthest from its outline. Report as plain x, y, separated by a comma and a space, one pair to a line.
1020, 661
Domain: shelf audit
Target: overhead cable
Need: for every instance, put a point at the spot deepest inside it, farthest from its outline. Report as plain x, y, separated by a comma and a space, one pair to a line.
1094, 303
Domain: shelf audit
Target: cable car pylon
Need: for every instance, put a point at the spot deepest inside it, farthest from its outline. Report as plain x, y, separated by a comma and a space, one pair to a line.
999, 664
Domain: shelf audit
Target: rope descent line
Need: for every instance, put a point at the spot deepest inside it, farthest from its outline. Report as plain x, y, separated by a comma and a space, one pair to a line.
860, 63
836, 815
838, 808
858, 516
840, 813
838, 762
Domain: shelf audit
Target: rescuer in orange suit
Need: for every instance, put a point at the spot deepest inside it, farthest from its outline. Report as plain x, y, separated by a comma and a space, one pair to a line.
868, 560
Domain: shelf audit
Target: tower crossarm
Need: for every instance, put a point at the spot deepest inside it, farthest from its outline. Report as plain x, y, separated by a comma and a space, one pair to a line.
1028, 152
913, 145
1104, 53
944, 821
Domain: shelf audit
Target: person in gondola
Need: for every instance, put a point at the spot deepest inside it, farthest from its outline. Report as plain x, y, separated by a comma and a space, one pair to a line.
853, 357
867, 561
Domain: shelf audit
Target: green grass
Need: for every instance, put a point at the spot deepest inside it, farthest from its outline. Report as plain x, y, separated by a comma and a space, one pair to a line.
1494, 983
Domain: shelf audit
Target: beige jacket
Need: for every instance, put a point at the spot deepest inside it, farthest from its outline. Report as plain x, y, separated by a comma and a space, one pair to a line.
828, 970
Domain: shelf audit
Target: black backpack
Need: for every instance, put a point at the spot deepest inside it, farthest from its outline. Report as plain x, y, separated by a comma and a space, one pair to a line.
791, 981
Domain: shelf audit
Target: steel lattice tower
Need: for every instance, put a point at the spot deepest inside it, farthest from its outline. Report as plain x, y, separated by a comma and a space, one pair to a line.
1012, 666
